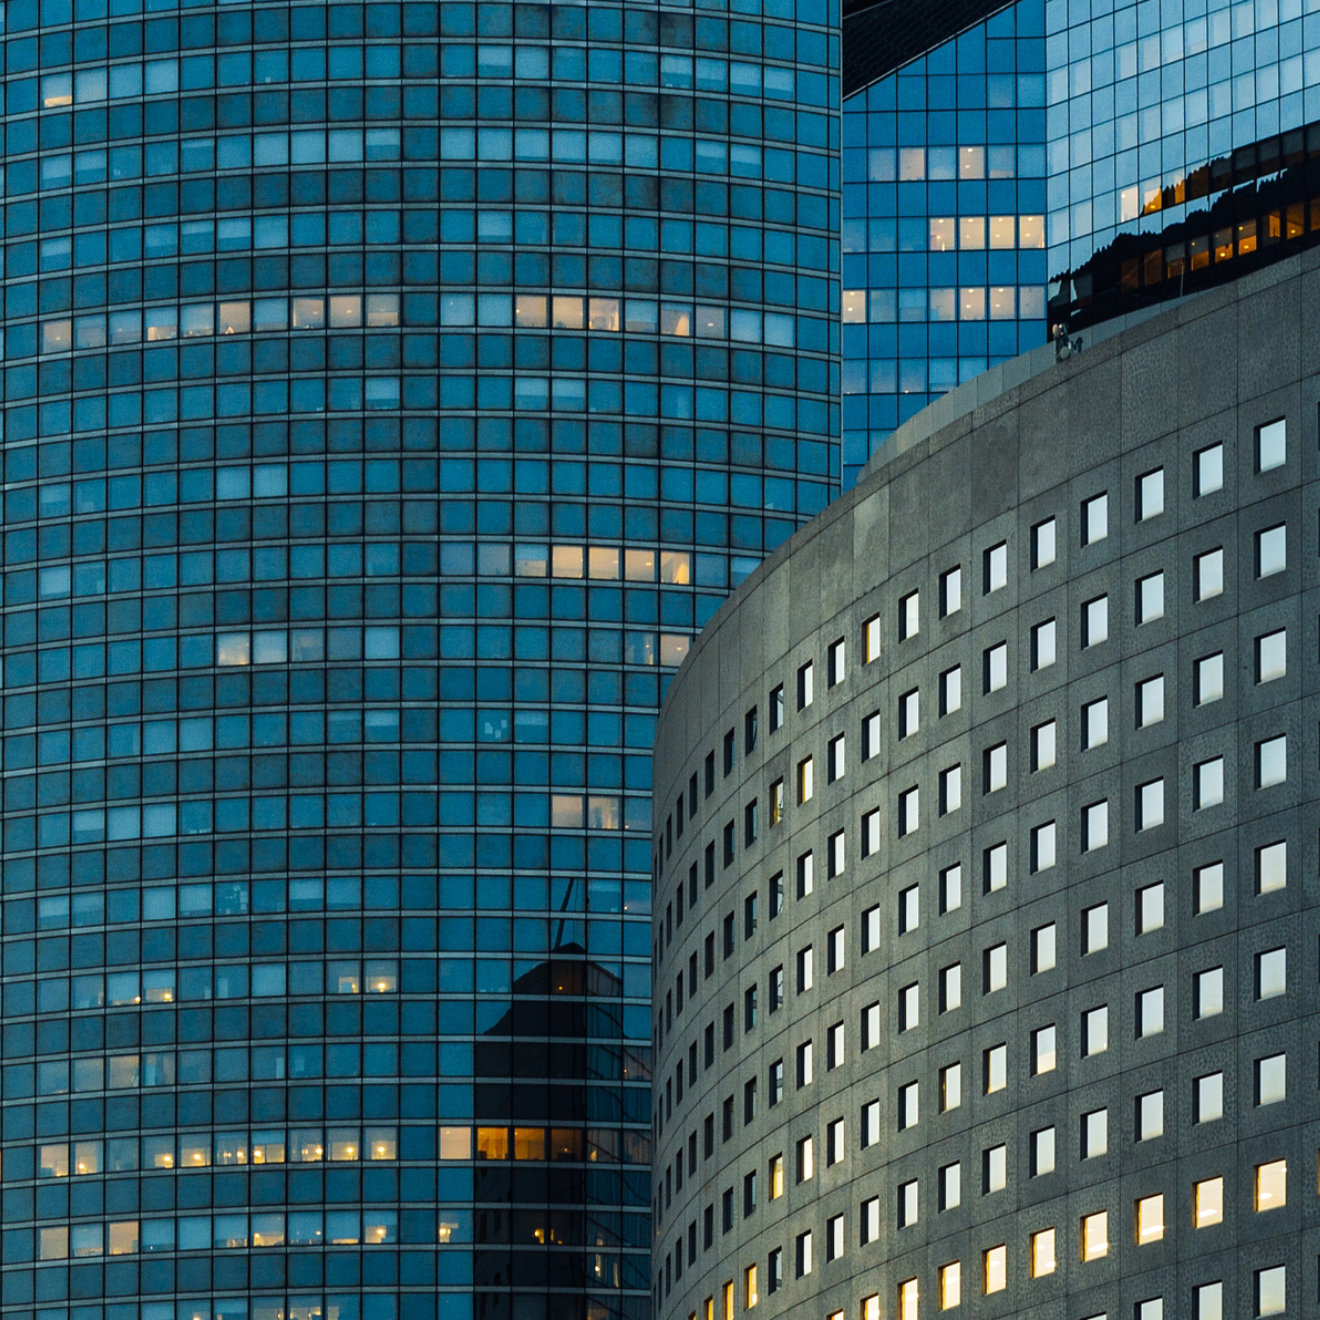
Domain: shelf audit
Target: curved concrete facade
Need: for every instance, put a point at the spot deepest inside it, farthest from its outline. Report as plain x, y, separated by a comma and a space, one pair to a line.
1011, 1010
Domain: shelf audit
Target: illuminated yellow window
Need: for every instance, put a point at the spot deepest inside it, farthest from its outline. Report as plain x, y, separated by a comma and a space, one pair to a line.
1095, 1235
750, 1294
235, 317
308, 314
566, 561
639, 565
806, 780
268, 1230
727, 1294
123, 1237
455, 1143
908, 1296
56, 90
1043, 1260
346, 309
381, 976
566, 312
1031, 231
56, 336
603, 562
194, 1152
971, 232
381, 1143
943, 233
492, 1143
1272, 1185
1003, 302
602, 314
871, 1307
268, 1147
233, 649
529, 1143
52, 1243
306, 1146
529, 309
971, 162
871, 646
776, 802
53, 1161
971, 304
994, 1269
1150, 1219
1003, 231
708, 1309
776, 1177
950, 1285
343, 1144
1208, 1202
676, 319
854, 305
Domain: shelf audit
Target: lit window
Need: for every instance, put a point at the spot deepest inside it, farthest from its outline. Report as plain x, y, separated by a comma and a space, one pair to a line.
1150, 1219
1150, 598
1271, 973
1208, 476
1272, 1290
1272, 867
871, 635
907, 1299
1272, 761
1095, 519
1150, 1115
1271, 1079
1271, 1185
806, 780
1095, 723
1043, 1260
1095, 621
1271, 550
1208, 679
1271, 445
1043, 653
1208, 884
1043, 543
1271, 656
1150, 701
750, 1293
950, 1285
1208, 574
995, 1269
1150, 495
1095, 1235
1208, 783
1208, 1202
950, 592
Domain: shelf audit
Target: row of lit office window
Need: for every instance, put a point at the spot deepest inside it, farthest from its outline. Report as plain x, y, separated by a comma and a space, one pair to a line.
998, 302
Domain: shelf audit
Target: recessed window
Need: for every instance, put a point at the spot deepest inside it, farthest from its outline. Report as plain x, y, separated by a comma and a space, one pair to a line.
836, 662
950, 888
1150, 1012
996, 767
805, 970
1271, 1079
776, 707
806, 1159
1208, 783
908, 1206
994, 664
1208, 470
1208, 1202
1272, 973
1208, 574
1271, 445
1208, 1098
1150, 1219
1095, 621
1208, 679
908, 1106
870, 735
909, 615
1043, 543
806, 685
995, 568
1044, 846
1150, 495
950, 591
1271, 1185
1272, 867
996, 968
950, 1186
1095, 826
1044, 1057
995, 864
1095, 723
1150, 908
1272, 1290
1044, 948
909, 811
909, 909
1044, 742
1208, 993
950, 1087
1042, 1152
950, 1282
1095, 928
909, 713
806, 778
950, 987
994, 1063
806, 874
995, 1269
1043, 652
1209, 1301
950, 690
1208, 887
835, 758
1150, 1116
1150, 805
1095, 1030
909, 1006
1272, 761
1043, 1259
871, 639
1150, 598
1150, 701
950, 789
1095, 1134
1095, 1235
1271, 550
1271, 656
1095, 519
870, 1230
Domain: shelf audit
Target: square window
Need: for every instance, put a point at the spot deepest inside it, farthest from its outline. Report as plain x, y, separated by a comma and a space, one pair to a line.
1043, 651
909, 713
1208, 993
1095, 1134
950, 1186
996, 567
1208, 679
1095, 519
1150, 701
994, 664
950, 690
1271, 656
1043, 543
1208, 1202
1043, 1260
950, 789
1150, 908
950, 592
1095, 1031
1272, 867
1271, 550
1208, 475
1150, 1012
1208, 1098
909, 615
1272, 1290
1043, 846
1271, 1185
1272, 761
1150, 1220
950, 987
995, 1269
1150, 1115
996, 767
1150, 598
1271, 445
1044, 949
1095, 928
1044, 745
1095, 826
1095, 621
1208, 574
1043, 1050
1208, 783
1208, 884
1150, 805
1271, 973
1095, 723
950, 888
1150, 495
1271, 1079
1095, 1235
1042, 1152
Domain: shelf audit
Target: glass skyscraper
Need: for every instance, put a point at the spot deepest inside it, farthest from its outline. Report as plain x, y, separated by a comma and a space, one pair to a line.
390, 391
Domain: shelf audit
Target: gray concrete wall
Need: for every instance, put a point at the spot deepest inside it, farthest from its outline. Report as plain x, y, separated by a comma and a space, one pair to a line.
1153, 398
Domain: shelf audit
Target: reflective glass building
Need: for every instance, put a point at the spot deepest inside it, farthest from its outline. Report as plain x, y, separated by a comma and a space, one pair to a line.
390, 391
1057, 162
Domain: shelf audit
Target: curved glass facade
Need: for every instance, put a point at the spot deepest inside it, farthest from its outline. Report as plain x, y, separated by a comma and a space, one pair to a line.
390, 392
